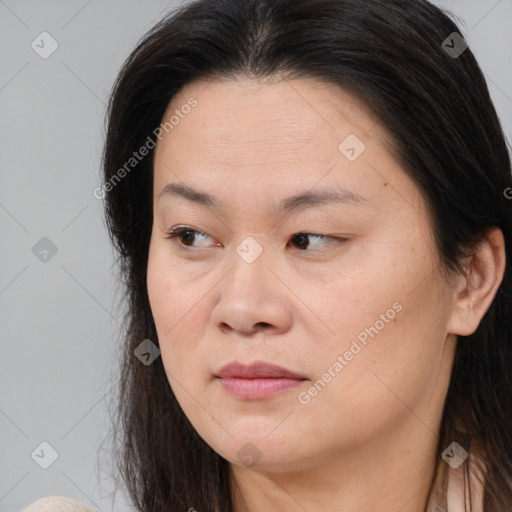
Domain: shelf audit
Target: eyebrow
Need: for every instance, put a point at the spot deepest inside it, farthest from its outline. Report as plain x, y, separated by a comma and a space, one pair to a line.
302, 200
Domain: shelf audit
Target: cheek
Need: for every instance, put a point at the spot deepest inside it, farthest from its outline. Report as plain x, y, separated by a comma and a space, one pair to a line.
171, 297
178, 358
178, 313
161, 294
388, 327
366, 388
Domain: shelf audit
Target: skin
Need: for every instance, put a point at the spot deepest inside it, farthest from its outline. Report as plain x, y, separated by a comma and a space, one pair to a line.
367, 440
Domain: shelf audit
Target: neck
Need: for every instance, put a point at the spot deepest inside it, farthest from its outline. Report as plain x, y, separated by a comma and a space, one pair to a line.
388, 475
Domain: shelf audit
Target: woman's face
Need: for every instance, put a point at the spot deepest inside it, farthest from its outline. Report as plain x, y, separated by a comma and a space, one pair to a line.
314, 253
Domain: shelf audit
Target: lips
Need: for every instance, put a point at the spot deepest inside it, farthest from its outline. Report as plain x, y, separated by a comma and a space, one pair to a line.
258, 380
257, 371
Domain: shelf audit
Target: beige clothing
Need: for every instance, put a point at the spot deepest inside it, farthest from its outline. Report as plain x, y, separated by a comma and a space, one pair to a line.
457, 495
464, 487
57, 504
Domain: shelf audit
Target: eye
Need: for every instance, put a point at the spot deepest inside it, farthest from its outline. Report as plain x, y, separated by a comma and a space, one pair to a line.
187, 234
301, 240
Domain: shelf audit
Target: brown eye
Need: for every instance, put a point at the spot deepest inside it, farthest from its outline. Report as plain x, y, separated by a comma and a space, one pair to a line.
303, 240
186, 236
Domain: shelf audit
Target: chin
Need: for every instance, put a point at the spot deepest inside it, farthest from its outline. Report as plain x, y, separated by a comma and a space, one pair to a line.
260, 451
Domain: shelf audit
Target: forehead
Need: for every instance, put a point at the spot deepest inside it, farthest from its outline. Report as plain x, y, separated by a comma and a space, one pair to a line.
270, 139
246, 119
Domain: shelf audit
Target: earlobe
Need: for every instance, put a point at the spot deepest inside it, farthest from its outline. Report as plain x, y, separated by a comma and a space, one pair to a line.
476, 290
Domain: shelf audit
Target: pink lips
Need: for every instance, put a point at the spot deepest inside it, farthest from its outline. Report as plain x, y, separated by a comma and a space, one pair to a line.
257, 380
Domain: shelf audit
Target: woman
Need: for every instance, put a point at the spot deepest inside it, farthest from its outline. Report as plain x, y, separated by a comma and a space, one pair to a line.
377, 114
309, 202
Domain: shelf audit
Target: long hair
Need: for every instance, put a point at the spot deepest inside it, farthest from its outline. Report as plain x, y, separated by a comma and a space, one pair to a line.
432, 98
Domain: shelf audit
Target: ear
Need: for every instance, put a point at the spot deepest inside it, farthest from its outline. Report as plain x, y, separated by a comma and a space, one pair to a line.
473, 293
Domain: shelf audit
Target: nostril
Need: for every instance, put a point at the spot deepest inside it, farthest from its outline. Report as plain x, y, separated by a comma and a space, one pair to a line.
256, 327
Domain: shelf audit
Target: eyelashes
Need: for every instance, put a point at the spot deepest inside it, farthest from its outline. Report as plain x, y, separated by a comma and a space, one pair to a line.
178, 233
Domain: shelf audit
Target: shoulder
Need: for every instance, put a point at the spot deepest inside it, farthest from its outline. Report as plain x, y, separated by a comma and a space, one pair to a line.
57, 504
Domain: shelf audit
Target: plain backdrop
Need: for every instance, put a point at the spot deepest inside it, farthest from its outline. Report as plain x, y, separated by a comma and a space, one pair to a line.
58, 304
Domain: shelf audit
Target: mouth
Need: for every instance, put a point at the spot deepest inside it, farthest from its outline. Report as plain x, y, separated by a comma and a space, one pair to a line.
258, 380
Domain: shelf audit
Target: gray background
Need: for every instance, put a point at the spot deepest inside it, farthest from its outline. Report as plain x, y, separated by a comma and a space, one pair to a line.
59, 318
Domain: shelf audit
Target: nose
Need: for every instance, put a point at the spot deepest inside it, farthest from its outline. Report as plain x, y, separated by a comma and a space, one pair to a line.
252, 299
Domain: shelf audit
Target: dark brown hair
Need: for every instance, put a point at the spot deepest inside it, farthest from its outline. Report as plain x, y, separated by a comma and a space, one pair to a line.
446, 135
